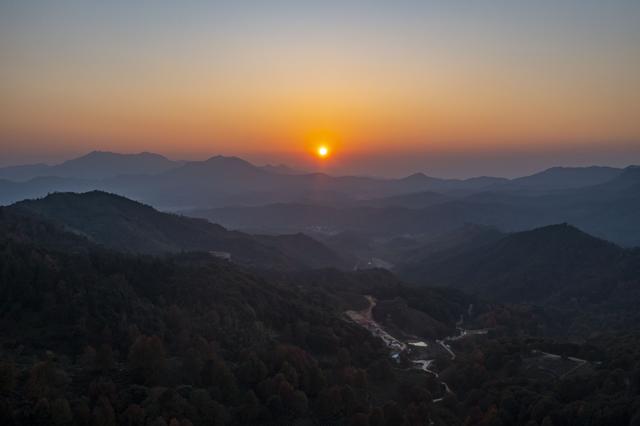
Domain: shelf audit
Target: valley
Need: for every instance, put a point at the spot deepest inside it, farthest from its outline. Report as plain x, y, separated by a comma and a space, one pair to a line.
412, 351
380, 314
320, 213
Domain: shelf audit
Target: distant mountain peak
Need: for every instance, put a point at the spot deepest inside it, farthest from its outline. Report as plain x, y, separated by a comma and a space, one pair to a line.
418, 176
110, 154
216, 158
220, 164
559, 177
564, 234
95, 165
144, 155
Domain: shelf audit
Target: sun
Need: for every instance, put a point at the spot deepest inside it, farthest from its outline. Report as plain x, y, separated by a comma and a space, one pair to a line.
323, 151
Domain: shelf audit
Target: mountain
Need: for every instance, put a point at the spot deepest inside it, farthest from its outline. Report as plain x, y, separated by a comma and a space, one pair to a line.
414, 200
464, 238
218, 181
300, 247
294, 217
30, 230
96, 336
420, 181
240, 195
609, 210
627, 180
217, 167
11, 192
188, 339
222, 181
564, 178
125, 225
557, 263
100, 165
282, 169
95, 165
381, 221
24, 172
161, 333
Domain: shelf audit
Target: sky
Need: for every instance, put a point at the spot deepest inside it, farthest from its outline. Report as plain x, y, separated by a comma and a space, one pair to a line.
453, 88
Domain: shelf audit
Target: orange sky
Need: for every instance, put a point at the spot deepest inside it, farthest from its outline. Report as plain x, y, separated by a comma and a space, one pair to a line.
198, 80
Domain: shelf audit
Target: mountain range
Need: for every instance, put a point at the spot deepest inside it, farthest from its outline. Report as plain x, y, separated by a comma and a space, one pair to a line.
121, 224
603, 201
609, 210
552, 262
555, 265
111, 309
221, 181
94, 165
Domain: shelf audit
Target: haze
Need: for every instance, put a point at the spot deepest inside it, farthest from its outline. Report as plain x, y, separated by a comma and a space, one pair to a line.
364, 213
453, 88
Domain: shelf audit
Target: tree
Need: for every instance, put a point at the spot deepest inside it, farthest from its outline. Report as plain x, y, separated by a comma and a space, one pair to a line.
252, 370
381, 371
349, 399
159, 421
42, 412
359, 419
313, 381
393, 414
344, 357
104, 360
134, 415
329, 402
290, 373
103, 414
102, 386
192, 366
45, 380
81, 413
88, 359
217, 374
360, 379
61, 412
299, 403
250, 410
147, 359
376, 417
7, 377
275, 406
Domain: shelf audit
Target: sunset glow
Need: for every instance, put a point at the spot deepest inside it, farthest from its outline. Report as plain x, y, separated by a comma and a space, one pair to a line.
323, 151
429, 78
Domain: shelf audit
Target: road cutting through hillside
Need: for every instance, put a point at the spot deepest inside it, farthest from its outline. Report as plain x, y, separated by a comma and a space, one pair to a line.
364, 318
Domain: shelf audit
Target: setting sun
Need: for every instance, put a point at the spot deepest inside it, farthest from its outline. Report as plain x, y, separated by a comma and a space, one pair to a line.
323, 151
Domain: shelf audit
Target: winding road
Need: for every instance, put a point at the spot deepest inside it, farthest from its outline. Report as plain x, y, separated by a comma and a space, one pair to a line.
365, 319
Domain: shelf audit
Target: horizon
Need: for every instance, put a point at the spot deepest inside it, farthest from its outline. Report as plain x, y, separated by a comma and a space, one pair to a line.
448, 89
448, 232
320, 168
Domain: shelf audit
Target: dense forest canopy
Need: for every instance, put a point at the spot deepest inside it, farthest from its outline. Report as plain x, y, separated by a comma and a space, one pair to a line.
96, 336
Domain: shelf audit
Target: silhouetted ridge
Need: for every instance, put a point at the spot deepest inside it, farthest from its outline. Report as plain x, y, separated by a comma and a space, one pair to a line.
563, 234
419, 176
628, 179
566, 177
122, 224
95, 165
554, 262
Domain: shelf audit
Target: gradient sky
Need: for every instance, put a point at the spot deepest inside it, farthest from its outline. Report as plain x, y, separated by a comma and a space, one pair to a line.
449, 87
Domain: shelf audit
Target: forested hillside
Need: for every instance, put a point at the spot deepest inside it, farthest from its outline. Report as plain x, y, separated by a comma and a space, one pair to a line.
125, 225
96, 337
